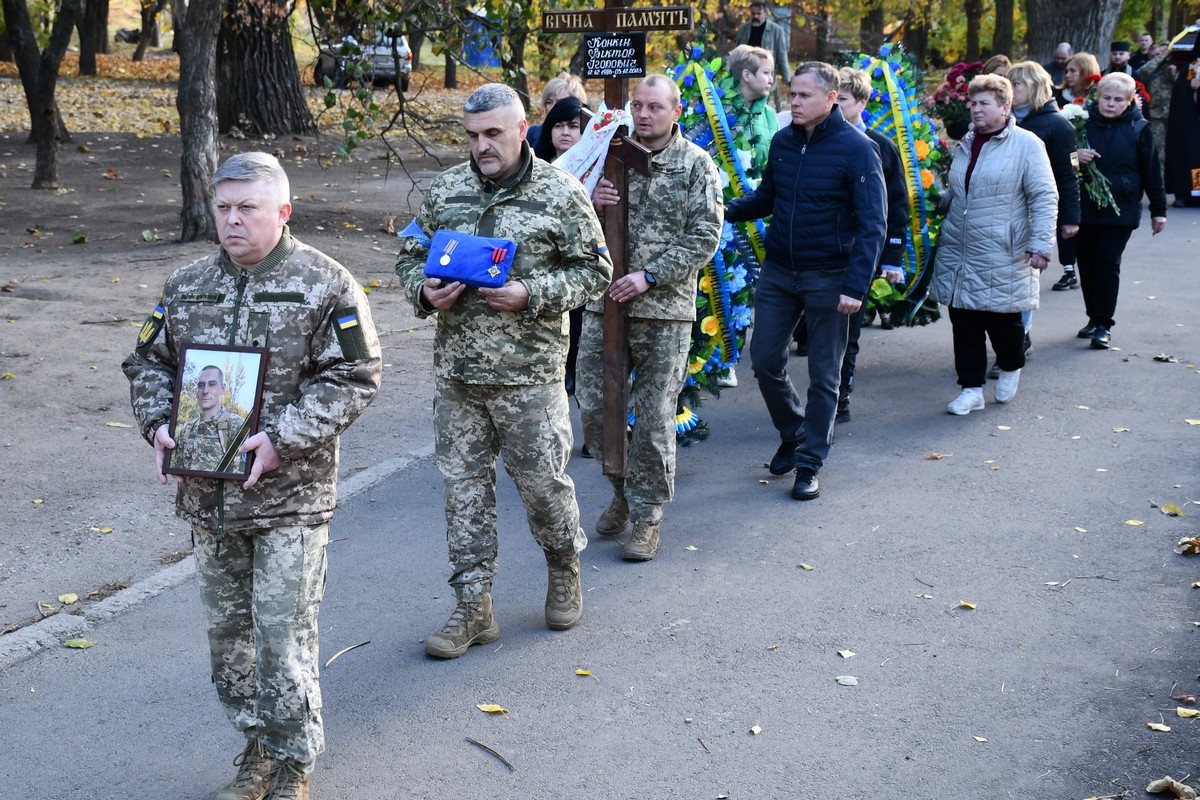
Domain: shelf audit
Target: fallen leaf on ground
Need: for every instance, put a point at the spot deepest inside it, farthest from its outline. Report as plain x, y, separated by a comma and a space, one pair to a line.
583, 673
1158, 726
1120, 430
966, 605
979, 739
1166, 358
491, 708
1168, 784
1187, 713
1084, 408
118, 425
8, 376
1003, 428
925, 596
937, 456
846, 653
1080, 530
806, 567
775, 646
1192, 421
37, 501
846, 680
755, 730
691, 548
1134, 522
68, 598
78, 644
1185, 698
1171, 510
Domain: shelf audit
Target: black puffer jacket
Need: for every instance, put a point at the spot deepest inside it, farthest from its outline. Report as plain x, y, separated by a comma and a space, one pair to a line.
1049, 125
825, 196
1129, 159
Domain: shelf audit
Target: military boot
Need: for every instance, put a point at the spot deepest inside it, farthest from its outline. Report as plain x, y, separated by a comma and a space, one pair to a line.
615, 518
289, 781
253, 777
643, 543
471, 623
564, 595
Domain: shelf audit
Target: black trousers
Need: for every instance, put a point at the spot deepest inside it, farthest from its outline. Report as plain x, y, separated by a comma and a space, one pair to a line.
1066, 249
972, 329
1099, 248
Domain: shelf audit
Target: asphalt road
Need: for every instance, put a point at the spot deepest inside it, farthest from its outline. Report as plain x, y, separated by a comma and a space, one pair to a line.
1081, 632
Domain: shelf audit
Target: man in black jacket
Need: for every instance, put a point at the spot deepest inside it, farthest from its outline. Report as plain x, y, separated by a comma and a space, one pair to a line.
854, 90
826, 234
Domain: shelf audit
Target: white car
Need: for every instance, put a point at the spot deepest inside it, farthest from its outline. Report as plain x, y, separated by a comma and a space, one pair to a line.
385, 59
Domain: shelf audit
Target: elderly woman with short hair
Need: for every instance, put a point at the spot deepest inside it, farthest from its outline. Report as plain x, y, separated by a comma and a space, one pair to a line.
1121, 144
994, 241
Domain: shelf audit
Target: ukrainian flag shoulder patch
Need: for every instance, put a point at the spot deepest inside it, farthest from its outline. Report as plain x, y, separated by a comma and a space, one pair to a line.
350, 333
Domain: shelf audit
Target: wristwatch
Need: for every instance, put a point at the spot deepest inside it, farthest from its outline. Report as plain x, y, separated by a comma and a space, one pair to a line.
650, 279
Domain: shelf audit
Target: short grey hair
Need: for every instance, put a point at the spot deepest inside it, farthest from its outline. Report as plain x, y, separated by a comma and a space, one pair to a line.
824, 74
492, 96
251, 167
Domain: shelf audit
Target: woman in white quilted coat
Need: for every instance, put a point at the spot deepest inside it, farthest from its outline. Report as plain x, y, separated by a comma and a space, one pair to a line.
994, 242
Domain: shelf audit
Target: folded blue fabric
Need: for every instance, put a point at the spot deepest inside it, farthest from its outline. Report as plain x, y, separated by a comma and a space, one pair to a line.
474, 260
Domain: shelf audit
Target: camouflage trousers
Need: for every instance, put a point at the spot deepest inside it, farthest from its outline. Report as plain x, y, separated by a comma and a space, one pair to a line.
531, 427
659, 357
261, 597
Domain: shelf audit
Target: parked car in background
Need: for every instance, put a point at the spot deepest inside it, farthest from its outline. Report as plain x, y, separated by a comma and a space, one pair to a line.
384, 59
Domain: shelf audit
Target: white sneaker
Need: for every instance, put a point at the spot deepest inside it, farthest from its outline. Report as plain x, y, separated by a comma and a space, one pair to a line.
970, 400
1006, 385
727, 379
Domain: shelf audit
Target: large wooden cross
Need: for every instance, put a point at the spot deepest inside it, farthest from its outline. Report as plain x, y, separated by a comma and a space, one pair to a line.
615, 61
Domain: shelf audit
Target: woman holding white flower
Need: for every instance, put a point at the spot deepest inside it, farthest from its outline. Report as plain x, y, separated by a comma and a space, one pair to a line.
1122, 148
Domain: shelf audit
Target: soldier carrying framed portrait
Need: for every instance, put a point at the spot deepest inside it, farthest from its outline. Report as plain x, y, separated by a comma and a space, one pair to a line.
216, 406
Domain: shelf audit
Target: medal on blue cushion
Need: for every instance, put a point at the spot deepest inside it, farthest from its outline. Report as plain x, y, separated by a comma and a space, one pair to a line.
446, 251
498, 254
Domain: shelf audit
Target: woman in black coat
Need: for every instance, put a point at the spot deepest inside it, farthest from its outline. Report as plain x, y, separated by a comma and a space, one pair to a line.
1121, 144
1037, 112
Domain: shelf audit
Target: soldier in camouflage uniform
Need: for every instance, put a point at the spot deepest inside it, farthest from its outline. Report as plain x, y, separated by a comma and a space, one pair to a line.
1157, 76
202, 442
675, 219
499, 359
260, 544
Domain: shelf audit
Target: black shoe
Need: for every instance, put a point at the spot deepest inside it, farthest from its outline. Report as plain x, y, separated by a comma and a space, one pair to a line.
994, 372
885, 321
806, 486
784, 460
843, 409
1087, 331
585, 452
1067, 281
1028, 345
1100, 338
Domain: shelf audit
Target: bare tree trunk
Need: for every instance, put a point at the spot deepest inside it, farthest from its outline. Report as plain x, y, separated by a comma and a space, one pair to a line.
513, 62
260, 82
974, 10
451, 79
150, 10
823, 24
39, 79
916, 35
196, 37
416, 38
1002, 36
1087, 24
870, 27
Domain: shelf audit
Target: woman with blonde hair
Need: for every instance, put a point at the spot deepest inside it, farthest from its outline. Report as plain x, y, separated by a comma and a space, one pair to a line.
1121, 144
564, 86
1079, 76
1037, 112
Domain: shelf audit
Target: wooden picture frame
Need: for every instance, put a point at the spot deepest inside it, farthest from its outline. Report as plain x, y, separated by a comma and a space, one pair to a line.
216, 407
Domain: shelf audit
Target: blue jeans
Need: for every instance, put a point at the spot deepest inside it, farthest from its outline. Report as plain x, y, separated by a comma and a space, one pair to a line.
782, 299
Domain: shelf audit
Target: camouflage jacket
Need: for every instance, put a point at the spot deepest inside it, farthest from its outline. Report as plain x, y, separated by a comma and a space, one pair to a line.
675, 219
561, 259
201, 443
323, 370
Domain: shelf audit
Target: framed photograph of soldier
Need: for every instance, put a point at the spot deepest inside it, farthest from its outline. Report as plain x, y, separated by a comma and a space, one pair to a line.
218, 398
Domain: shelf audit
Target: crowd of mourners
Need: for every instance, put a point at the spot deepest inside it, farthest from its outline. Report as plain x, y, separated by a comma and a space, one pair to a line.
508, 256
